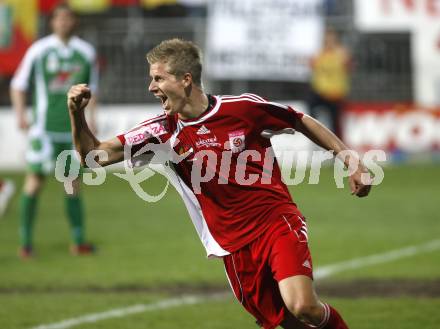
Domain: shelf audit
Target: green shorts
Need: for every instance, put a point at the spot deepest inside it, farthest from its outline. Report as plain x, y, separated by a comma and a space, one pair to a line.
46, 153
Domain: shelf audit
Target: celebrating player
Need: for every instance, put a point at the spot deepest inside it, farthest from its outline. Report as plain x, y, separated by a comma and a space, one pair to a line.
237, 201
51, 66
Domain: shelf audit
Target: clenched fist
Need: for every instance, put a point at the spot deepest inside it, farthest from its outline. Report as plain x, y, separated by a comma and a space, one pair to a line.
78, 97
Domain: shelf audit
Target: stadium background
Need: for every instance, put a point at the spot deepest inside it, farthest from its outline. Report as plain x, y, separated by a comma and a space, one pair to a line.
149, 254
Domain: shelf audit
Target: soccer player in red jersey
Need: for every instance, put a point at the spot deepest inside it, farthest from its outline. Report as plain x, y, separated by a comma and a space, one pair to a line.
221, 162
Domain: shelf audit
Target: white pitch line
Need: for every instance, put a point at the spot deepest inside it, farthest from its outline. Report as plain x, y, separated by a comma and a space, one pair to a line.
385, 257
320, 273
140, 308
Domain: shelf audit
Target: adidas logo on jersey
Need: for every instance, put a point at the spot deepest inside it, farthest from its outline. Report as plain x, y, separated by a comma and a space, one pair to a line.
203, 131
307, 264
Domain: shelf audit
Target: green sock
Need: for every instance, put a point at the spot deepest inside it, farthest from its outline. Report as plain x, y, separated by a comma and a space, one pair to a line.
28, 210
75, 215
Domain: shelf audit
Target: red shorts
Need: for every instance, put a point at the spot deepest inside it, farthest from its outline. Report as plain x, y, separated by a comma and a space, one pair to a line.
255, 270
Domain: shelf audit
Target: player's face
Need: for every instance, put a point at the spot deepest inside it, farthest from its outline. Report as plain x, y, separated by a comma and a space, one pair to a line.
63, 22
168, 88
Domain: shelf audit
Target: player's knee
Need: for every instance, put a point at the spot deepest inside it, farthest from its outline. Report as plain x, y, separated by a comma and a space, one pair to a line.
33, 184
306, 312
76, 186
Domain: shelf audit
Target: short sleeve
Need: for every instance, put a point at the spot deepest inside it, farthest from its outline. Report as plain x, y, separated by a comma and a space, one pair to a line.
140, 139
137, 137
275, 116
154, 130
22, 75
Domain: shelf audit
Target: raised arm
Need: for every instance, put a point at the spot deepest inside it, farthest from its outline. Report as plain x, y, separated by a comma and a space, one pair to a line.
323, 137
85, 141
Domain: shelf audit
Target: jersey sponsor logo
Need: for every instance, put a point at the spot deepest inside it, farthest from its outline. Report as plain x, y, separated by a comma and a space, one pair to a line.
140, 135
61, 82
157, 128
136, 137
203, 131
65, 77
208, 142
237, 141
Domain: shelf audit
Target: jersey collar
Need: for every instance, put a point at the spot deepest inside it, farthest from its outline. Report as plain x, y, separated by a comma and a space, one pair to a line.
213, 107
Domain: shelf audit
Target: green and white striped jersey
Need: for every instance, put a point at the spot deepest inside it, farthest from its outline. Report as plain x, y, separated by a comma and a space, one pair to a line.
50, 68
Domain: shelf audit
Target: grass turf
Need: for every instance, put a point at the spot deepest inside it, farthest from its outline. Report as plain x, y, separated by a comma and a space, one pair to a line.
154, 245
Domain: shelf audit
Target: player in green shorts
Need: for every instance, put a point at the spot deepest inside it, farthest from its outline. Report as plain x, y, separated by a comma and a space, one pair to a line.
50, 66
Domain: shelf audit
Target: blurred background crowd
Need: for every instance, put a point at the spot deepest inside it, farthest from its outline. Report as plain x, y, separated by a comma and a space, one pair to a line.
387, 89
124, 30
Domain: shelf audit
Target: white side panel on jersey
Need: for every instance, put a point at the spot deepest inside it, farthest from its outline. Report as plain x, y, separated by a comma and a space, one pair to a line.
212, 247
192, 204
195, 211
20, 81
21, 78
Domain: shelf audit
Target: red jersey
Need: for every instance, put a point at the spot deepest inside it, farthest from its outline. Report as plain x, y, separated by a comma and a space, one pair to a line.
227, 174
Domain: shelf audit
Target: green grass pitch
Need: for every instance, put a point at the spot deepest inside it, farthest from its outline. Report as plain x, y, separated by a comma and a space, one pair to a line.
150, 252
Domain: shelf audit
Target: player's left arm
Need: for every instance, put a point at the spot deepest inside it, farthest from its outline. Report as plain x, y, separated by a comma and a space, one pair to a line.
323, 137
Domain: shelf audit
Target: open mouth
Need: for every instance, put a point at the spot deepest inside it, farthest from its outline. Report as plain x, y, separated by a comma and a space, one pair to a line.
163, 100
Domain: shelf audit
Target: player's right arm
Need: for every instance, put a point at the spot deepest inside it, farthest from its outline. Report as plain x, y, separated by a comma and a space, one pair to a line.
85, 141
18, 100
20, 83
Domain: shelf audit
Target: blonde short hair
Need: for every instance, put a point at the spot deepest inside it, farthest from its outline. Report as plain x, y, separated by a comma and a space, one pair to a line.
181, 56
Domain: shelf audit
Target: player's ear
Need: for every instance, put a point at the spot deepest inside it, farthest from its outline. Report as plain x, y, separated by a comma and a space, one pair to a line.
187, 80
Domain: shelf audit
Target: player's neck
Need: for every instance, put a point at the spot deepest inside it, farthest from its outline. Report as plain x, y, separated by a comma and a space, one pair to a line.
64, 38
197, 104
